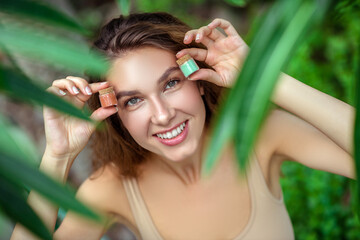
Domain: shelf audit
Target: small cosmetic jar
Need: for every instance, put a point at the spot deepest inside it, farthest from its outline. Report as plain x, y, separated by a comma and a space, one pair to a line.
187, 65
107, 97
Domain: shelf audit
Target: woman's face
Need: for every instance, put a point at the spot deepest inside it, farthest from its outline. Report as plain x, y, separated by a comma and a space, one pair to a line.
162, 111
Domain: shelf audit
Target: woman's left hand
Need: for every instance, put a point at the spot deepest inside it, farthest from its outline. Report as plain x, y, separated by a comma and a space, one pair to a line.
224, 53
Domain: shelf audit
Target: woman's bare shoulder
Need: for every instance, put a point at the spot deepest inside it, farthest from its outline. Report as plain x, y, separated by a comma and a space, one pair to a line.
104, 190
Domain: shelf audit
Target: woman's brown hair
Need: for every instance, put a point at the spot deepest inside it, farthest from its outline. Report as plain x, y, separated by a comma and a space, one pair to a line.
114, 144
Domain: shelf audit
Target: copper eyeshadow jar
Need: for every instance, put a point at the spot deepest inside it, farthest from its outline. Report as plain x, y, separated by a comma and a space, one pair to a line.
107, 97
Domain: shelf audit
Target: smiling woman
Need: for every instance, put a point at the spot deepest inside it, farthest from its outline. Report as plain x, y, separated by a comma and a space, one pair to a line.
149, 156
145, 56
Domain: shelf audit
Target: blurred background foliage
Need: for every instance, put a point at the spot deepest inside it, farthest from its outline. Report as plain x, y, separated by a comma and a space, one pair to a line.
319, 203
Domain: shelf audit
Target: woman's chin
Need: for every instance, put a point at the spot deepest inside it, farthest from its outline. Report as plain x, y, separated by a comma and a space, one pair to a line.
180, 155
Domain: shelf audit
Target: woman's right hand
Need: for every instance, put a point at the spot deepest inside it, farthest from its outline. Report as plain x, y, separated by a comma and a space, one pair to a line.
66, 135
225, 53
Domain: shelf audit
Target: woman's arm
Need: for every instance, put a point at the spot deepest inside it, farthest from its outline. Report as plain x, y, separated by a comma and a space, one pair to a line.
66, 136
331, 116
44, 209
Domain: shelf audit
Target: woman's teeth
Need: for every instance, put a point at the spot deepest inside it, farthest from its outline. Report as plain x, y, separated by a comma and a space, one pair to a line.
173, 133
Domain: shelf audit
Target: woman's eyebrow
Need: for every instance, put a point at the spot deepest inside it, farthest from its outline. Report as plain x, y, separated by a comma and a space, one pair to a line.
126, 93
167, 73
163, 77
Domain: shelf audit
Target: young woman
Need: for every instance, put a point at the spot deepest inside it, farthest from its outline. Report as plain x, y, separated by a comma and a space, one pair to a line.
149, 156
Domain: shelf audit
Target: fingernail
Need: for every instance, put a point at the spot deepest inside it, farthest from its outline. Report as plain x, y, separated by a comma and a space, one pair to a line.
88, 90
197, 36
186, 37
116, 108
103, 83
62, 92
75, 90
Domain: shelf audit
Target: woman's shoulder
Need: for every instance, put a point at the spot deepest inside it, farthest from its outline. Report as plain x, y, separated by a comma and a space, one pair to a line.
104, 191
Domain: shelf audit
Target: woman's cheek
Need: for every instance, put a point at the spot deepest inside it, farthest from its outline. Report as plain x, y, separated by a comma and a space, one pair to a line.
136, 122
188, 98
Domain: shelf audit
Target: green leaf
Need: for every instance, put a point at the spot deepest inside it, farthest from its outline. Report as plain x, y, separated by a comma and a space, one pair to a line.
41, 12
247, 103
14, 205
124, 6
259, 90
16, 142
356, 196
46, 48
19, 86
237, 3
21, 174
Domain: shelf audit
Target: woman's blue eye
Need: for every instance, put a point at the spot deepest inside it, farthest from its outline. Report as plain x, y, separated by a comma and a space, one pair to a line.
171, 84
132, 101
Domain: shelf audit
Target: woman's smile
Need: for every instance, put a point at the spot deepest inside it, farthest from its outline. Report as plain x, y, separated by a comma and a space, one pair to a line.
173, 136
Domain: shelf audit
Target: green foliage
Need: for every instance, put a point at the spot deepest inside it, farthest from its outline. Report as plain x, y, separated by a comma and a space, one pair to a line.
237, 3
319, 203
39, 11
247, 103
166, 5
186, 10
20, 87
49, 48
17, 142
12, 203
18, 172
124, 6
15, 171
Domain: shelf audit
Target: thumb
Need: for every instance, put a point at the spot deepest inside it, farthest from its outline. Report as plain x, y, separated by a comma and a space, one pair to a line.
100, 115
207, 75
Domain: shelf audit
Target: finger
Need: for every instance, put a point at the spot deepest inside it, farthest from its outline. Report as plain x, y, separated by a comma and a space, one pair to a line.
101, 114
196, 53
202, 36
190, 36
56, 91
95, 87
66, 84
211, 33
81, 84
74, 95
207, 75
224, 24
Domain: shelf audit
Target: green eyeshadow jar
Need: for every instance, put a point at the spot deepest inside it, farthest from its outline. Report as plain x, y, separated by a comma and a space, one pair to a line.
187, 65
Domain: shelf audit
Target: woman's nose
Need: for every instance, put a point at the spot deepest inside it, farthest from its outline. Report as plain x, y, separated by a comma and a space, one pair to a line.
162, 112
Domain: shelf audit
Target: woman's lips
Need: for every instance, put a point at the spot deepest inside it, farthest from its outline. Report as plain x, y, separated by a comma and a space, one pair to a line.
175, 140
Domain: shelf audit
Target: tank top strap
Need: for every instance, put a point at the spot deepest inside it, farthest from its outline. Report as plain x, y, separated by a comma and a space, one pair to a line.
141, 214
269, 218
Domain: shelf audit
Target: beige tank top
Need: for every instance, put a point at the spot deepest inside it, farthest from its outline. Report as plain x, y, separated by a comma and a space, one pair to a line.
269, 218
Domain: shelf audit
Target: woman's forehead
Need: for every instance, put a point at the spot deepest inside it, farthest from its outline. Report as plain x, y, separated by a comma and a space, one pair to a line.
141, 64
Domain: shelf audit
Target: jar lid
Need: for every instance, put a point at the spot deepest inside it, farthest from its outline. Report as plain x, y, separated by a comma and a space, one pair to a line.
183, 59
106, 90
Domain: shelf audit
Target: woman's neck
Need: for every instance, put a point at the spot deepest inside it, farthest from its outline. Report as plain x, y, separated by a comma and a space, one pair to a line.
187, 170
